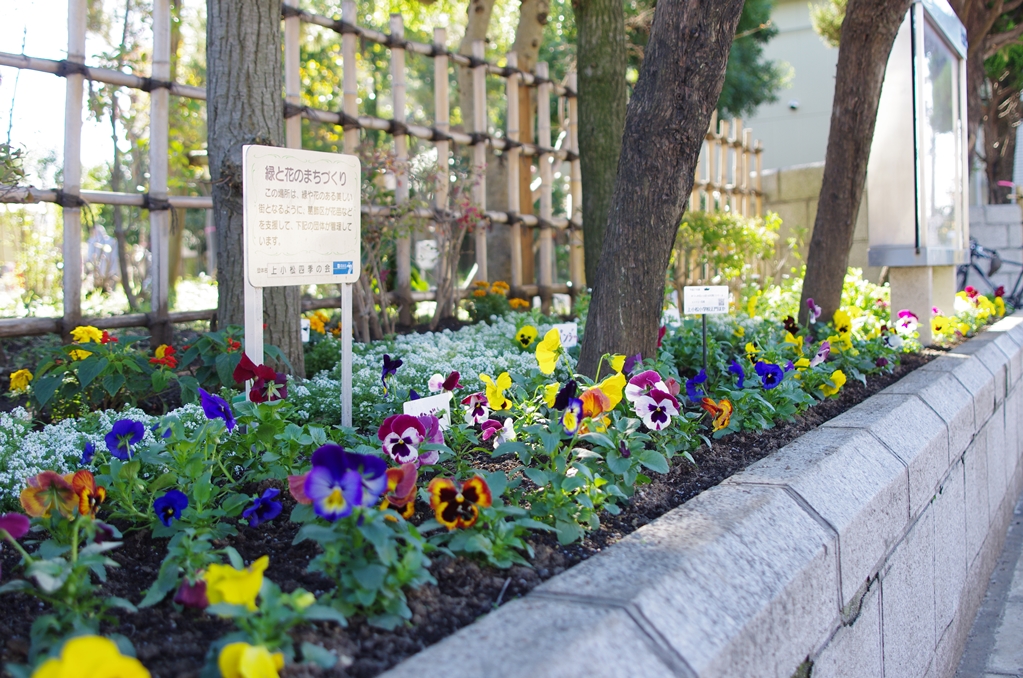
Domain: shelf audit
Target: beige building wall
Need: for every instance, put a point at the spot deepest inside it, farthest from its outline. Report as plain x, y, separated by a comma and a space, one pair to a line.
799, 135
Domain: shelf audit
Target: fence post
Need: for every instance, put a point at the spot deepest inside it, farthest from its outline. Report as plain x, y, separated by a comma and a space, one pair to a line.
576, 262
722, 146
479, 156
72, 212
443, 232
514, 153
160, 329
292, 77
403, 281
543, 126
712, 160
758, 151
747, 143
350, 102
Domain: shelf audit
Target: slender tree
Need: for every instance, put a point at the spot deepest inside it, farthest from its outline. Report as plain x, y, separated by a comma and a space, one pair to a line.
243, 61
601, 61
667, 118
867, 35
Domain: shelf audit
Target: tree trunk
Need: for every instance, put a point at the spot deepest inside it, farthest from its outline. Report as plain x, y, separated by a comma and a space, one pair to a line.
1001, 120
479, 12
868, 33
666, 121
243, 56
601, 56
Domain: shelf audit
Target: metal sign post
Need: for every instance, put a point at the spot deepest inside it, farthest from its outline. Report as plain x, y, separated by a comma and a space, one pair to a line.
302, 227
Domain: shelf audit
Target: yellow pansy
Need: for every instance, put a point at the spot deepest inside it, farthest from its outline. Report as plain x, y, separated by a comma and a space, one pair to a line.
999, 306
939, 324
495, 391
837, 382
241, 660
795, 342
613, 387
618, 362
843, 322
86, 333
739, 331
548, 350
525, 336
841, 342
801, 364
550, 392
963, 328
19, 380
224, 584
93, 656
751, 304
751, 352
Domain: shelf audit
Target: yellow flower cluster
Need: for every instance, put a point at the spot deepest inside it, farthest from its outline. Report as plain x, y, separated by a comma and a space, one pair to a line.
519, 304
500, 287
91, 656
83, 334
837, 382
20, 380
479, 293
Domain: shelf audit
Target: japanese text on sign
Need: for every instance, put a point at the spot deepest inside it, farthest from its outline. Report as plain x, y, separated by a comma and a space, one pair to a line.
706, 300
302, 217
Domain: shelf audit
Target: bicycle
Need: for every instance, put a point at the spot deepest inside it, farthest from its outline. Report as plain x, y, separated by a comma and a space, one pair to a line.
978, 253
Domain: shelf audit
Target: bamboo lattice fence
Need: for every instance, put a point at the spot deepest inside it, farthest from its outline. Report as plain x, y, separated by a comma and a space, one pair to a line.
728, 160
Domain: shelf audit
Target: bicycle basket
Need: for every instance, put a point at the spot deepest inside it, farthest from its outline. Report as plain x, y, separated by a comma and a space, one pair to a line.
996, 263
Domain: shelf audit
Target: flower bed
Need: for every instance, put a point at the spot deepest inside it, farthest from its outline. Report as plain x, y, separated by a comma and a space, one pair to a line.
385, 523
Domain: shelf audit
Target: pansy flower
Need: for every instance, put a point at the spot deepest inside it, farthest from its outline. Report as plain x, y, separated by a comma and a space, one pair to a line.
565, 395
893, 341
526, 336
215, 407
613, 387
496, 389
939, 324
401, 490
448, 383
550, 393
457, 505
843, 323
837, 380
907, 322
692, 392
164, 357
595, 402
413, 395
660, 334
91, 656
88, 452
720, 412
476, 410
656, 408
269, 386
674, 388
242, 660
264, 508
751, 304
643, 383
47, 491
617, 362
548, 351
770, 375
492, 427
795, 342
573, 415
822, 353
15, 525
20, 381
736, 369
434, 436
245, 370
339, 481
90, 495
631, 363
390, 368
751, 351
881, 362
401, 435
192, 595
790, 325
124, 434
225, 584
813, 311
169, 506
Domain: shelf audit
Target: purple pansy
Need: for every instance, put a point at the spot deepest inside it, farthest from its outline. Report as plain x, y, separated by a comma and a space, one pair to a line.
643, 383
339, 481
770, 375
263, 508
88, 452
822, 354
656, 409
476, 408
692, 392
566, 395
736, 369
169, 506
389, 370
216, 407
124, 434
400, 436
813, 311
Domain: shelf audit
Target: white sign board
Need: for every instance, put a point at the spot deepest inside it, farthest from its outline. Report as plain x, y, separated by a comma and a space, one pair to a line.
302, 217
569, 334
706, 300
438, 405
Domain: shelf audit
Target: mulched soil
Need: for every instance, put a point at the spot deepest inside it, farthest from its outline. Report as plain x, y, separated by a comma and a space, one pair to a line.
173, 642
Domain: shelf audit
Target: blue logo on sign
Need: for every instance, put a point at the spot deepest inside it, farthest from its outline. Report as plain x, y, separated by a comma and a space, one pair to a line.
343, 268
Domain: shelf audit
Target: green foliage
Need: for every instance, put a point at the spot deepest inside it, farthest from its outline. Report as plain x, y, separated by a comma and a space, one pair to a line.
751, 80
721, 245
12, 171
827, 17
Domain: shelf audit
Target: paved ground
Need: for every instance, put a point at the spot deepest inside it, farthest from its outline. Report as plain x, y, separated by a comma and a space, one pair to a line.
995, 646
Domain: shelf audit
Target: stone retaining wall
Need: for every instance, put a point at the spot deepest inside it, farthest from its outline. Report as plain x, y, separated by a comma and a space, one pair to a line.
861, 549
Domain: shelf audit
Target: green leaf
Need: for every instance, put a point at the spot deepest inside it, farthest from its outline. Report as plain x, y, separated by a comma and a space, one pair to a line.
90, 368
227, 610
568, 532
318, 655
370, 577
653, 460
324, 613
225, 364
598, 439
117, 601
15, 585
43, 388
235, 557
112, 383
539, 477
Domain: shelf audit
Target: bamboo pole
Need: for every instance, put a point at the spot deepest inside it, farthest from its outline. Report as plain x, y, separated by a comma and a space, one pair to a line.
734, 142
747, 144
159, 219
576, 265
712, 159
758, 151
403, 254
479, 156
514, 203
72, 248
447, 260
350, 101
292, 76
719, 179
543, 116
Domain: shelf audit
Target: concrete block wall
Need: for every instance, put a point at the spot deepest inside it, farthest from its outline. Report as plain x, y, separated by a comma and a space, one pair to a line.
793, 192
863, 548
998, 227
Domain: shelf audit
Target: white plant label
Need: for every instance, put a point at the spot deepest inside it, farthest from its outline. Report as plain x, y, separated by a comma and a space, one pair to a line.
706, 300
438, 405
305, 330
569, 334
303, 223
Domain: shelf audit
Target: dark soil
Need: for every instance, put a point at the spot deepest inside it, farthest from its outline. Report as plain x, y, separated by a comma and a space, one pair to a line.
173, 642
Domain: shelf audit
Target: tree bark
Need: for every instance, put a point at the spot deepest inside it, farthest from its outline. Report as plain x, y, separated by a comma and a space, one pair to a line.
243, 56
868, 33
1001, 120
479, 12
666, 121
601, 57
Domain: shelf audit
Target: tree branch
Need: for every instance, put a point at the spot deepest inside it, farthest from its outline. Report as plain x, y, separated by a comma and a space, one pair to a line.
995, 42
